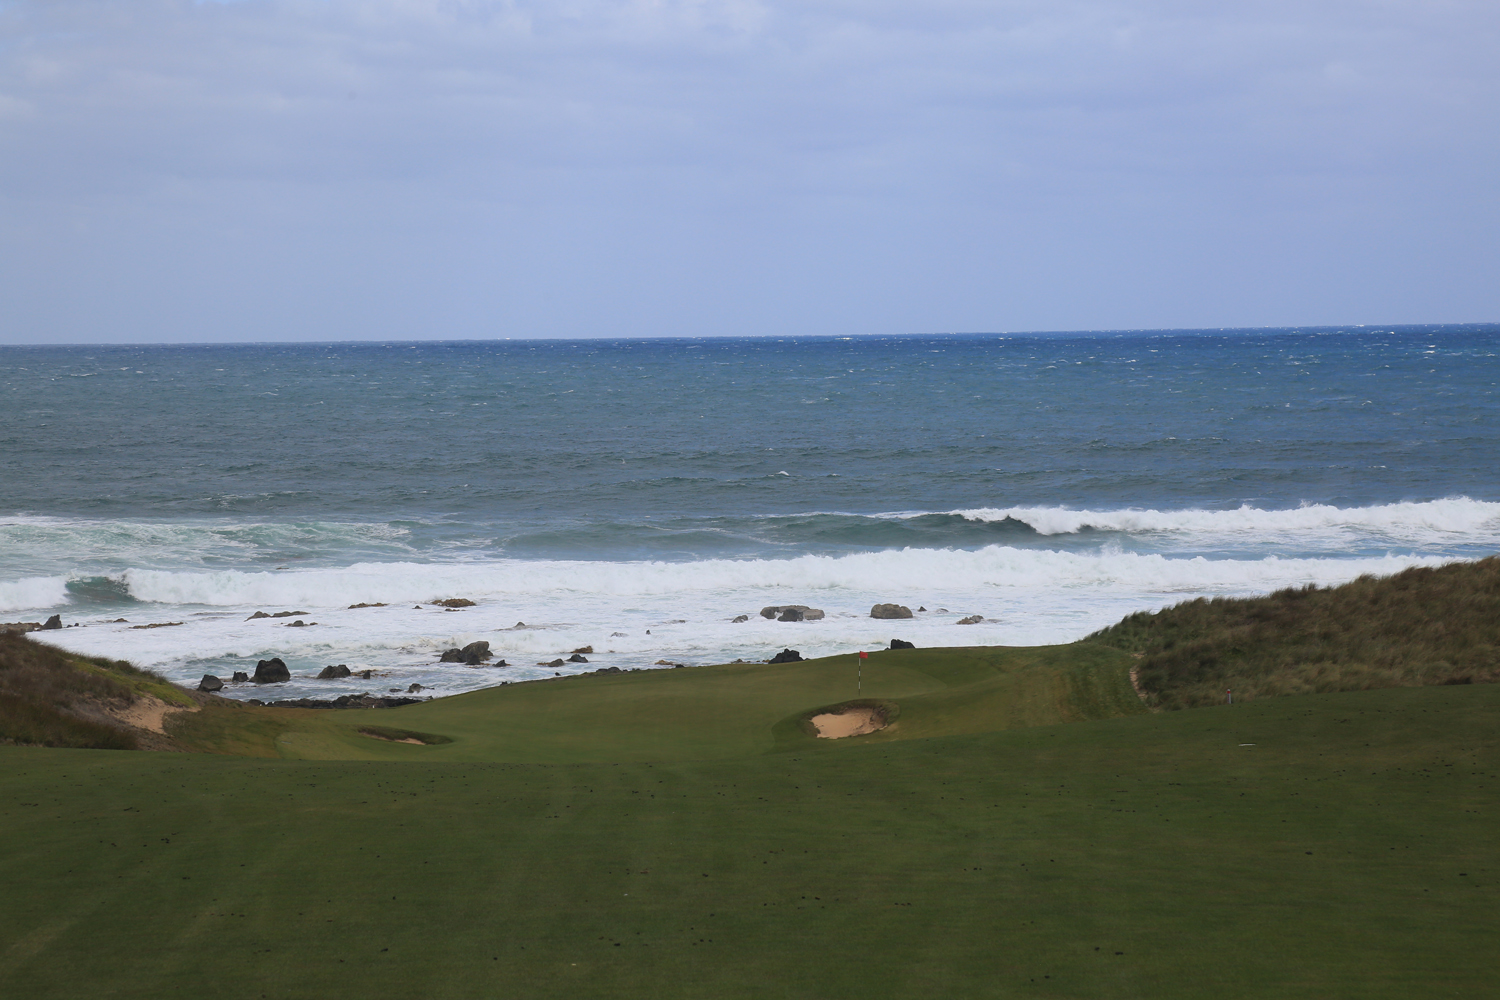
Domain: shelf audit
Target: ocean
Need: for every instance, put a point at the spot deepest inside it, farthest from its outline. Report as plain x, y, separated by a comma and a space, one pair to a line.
637, 496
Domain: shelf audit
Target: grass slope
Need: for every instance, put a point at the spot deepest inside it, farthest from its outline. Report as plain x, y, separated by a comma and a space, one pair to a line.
729, 711
49, 697
1349, 853
1418, 627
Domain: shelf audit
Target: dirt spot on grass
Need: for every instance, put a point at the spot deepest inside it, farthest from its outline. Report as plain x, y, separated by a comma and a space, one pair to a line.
148, 713
851, 721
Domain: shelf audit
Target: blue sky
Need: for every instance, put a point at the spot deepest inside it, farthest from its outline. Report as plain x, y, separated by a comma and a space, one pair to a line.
437, 169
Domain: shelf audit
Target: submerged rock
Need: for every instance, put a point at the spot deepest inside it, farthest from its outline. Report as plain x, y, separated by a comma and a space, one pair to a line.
971, 620
454, 602
791, 613
739, 618
584, 651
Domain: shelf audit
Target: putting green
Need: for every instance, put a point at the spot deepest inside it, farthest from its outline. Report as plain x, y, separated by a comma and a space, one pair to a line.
729, 711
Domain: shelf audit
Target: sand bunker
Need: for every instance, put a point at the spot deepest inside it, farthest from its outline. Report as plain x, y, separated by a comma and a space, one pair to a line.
149, 713
851, 722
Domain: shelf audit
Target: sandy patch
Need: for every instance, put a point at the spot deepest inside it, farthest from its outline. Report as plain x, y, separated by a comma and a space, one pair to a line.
854, 722
149, 713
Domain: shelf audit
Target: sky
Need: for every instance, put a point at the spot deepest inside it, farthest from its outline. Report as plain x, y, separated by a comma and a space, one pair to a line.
284, 170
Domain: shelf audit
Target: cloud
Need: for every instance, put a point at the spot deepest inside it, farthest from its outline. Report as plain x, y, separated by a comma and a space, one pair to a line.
307, 168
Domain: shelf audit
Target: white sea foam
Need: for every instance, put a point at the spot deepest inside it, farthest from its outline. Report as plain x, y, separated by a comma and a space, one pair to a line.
1428, 522
32, 592
635, 614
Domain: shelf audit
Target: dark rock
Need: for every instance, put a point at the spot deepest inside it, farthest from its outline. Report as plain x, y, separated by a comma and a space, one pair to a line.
607, 670
361, 700
454, 602
258, 614
902, 644
499, 663
584, 651
353, 606
786, 656
413, 689
210, 683
54, 622
363, 674
454, 655
921, 609
333, 673
272, 671
739, 618
578, 658
550, 663
299, 623
890, 611
791, 613
971, 620
240, 677
476, 651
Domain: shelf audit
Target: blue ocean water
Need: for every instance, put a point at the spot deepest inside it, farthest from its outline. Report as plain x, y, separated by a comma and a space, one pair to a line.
592, 490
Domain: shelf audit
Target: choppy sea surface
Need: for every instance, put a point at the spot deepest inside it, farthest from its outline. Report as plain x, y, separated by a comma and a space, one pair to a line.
637, 495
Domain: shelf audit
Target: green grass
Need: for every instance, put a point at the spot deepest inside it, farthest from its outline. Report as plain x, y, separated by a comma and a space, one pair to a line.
1419, 627
1349, 853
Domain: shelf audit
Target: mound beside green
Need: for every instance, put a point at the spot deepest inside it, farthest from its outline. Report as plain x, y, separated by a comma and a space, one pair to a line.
702, 713
52, 698
1348, 853
1419, 627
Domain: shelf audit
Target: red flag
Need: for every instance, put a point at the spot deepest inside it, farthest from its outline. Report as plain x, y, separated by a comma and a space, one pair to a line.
863, 655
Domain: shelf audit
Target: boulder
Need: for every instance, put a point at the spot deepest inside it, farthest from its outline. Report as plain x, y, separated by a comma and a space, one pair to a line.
54, 622
272, 671
413, 689
210, 683
971, 620
258, 614
890, 611
473, 654
454, 655
791, 613
363, 674
739, 618
786, 656
240, 677
333, 673
578, 658
902, 644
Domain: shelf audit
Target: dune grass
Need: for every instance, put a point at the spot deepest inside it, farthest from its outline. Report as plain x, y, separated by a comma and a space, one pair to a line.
1348, 853
1419, 627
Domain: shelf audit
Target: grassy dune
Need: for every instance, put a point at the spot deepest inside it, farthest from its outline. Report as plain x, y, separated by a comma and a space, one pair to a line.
1422, 626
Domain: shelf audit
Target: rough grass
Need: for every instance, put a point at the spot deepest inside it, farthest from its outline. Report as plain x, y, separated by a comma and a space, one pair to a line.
1419, 627
48, 698
1349, 854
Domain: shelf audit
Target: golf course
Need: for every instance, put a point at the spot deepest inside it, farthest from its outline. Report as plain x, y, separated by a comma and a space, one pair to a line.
1021, 824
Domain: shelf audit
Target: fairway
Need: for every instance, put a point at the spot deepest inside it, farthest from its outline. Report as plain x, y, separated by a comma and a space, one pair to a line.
1349, 852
